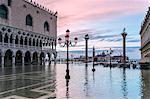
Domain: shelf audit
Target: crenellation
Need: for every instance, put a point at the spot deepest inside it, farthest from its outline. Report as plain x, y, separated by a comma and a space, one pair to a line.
41, 7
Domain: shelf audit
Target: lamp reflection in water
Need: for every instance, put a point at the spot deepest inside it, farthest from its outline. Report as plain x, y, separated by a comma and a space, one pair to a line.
86, 85
67, 43
67, 88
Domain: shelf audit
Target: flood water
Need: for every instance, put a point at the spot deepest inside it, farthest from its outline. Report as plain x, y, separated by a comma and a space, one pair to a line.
48, 82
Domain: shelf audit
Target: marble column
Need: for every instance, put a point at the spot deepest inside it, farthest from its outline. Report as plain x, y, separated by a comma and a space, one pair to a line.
3, 39
8, 40
22, 60
13, 41
13, 60
2, 61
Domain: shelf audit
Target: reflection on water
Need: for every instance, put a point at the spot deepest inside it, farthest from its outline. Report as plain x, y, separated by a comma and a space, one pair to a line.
86, 80
67, 88
145, 84
124, 85
49, 81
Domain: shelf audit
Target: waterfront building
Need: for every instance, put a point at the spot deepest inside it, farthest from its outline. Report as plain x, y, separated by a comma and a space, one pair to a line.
145, 39
28, 32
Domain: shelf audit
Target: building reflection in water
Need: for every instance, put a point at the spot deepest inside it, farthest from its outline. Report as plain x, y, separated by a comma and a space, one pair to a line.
124, 85
86, 85
145, 84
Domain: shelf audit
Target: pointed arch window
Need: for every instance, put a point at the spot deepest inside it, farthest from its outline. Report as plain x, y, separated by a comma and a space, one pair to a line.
3, 12
29, 20
46, 27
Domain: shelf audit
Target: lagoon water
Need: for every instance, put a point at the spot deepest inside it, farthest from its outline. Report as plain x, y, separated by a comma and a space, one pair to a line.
48, 82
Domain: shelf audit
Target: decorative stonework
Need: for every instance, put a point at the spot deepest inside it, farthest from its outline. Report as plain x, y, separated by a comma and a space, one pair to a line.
145, 39
22, 43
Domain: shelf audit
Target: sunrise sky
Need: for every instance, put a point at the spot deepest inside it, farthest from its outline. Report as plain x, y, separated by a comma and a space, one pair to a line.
103, 20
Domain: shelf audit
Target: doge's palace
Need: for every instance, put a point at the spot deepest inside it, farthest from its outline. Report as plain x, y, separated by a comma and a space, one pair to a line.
28, 33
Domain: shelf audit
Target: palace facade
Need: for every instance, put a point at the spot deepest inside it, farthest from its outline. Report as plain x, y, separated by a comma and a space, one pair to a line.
145, 39
28, 33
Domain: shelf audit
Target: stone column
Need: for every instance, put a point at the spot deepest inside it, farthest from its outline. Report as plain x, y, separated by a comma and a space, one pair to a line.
3, 39
22, 59
8, 40
2, 61
13, 41
13, 60
31, 58
19, 41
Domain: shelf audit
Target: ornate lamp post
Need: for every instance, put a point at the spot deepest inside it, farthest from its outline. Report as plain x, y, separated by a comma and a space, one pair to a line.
67, 43
124, 34
93, 69
86, 47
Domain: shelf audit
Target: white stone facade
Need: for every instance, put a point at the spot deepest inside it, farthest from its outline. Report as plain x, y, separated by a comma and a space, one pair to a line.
145, 39
20, 35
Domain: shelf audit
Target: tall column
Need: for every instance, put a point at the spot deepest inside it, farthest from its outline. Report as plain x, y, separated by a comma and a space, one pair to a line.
124, 34
86, 47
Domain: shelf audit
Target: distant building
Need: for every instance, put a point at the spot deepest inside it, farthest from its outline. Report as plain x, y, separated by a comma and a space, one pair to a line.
145, 39
28, 31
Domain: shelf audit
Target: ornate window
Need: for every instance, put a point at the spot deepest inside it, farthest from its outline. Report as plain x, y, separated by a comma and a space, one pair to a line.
46, 27
3, 12
29, 21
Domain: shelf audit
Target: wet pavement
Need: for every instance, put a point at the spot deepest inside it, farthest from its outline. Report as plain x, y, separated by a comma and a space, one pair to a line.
48, 82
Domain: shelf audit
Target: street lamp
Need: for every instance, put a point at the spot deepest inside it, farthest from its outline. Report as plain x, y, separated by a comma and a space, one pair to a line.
124, 34
86, 47
67, 43
93, 69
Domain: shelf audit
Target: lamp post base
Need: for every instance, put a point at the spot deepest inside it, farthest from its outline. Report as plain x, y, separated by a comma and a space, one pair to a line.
67, 74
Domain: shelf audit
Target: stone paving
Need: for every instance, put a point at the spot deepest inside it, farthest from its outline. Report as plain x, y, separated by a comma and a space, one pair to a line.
32, 82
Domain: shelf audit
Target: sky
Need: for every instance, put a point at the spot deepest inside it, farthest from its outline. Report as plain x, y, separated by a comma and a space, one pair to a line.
103, 20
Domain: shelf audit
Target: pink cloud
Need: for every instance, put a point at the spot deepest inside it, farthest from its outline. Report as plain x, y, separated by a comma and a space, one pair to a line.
75, 13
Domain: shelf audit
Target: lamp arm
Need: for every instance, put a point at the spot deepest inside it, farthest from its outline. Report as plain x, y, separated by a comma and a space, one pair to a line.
70, 43
64, 44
